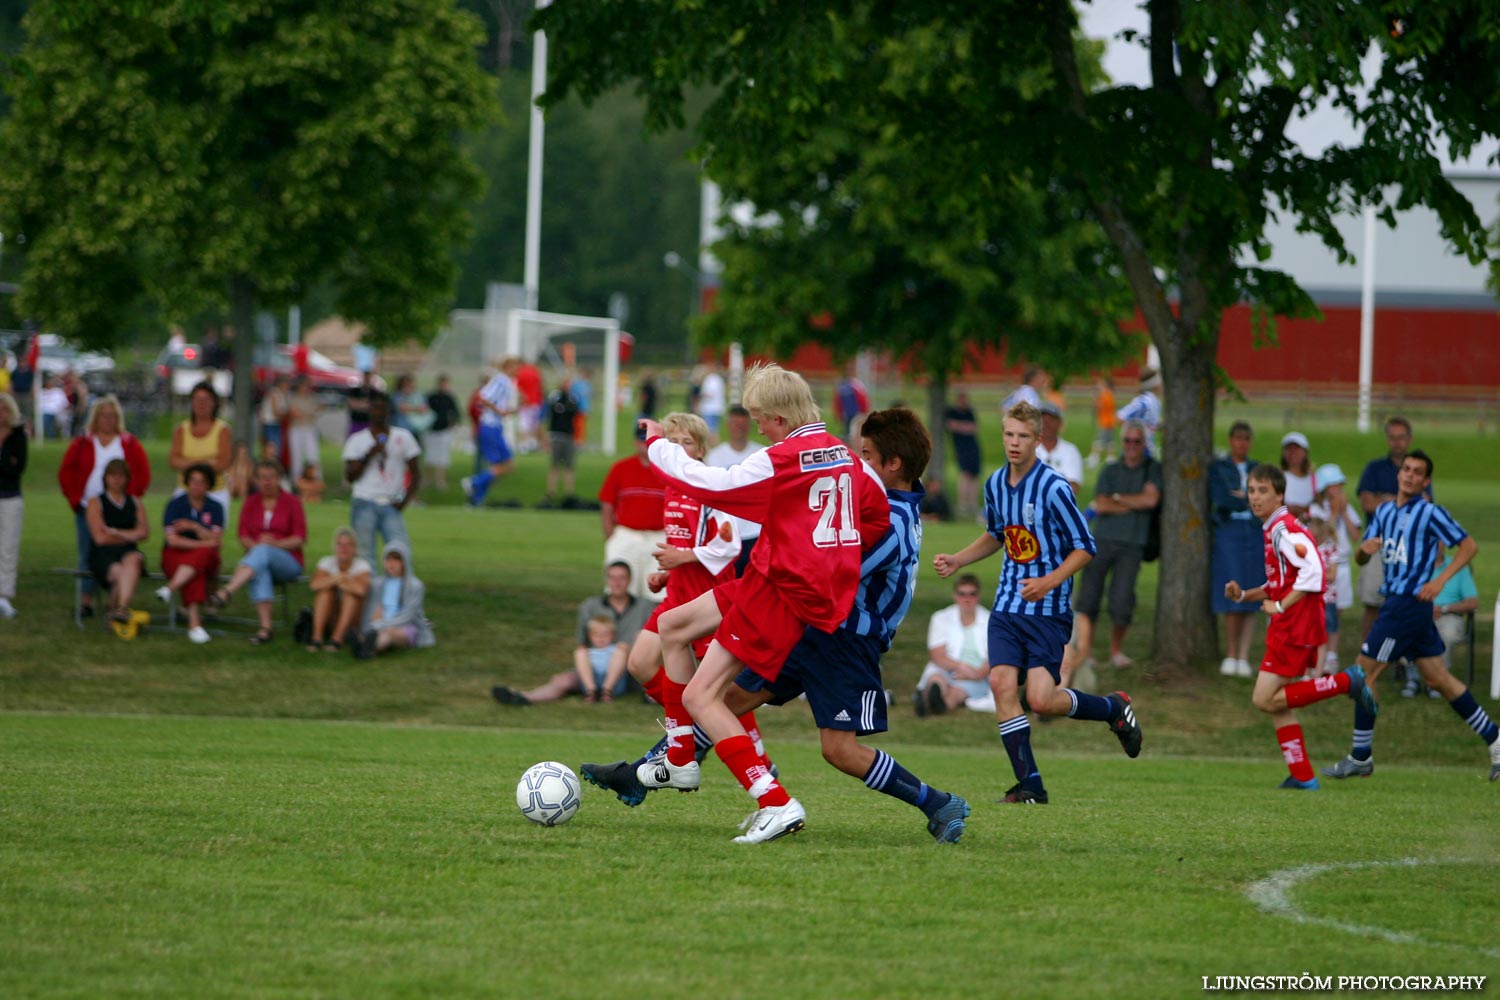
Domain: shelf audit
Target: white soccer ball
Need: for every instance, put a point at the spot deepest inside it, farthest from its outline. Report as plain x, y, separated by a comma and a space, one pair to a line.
548, 793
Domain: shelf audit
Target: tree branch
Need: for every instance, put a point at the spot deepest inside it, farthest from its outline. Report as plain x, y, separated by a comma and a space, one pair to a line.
1149, 293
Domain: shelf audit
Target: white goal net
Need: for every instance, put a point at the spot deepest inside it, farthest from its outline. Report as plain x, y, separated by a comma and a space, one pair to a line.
589, 346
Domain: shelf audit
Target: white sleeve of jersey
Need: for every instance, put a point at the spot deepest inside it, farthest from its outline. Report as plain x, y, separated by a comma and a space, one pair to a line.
716, 554
1302, 552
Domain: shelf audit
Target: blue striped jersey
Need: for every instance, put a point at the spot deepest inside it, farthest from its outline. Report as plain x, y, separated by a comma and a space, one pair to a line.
1038, 525
888, 573
501, 391
1411, 536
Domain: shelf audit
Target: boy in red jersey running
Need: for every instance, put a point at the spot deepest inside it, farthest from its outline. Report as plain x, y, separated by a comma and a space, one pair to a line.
818, 506
1294, 573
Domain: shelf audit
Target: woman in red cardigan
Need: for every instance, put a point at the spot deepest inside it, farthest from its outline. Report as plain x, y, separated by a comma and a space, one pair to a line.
273, 528
81, 474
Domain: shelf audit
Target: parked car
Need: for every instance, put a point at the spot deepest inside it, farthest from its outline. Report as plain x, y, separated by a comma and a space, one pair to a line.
58, 356
183, 364
180, 366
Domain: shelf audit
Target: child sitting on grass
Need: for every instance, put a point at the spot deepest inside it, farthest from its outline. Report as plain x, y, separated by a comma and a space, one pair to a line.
394, 616
310, 484
601, 667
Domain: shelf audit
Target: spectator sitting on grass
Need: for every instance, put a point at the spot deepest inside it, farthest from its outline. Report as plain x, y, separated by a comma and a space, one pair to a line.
601, 664
627, 611
958, 643
394, 615
310, 484
339, 587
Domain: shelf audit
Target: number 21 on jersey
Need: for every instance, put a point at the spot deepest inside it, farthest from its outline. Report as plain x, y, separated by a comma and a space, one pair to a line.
833, 497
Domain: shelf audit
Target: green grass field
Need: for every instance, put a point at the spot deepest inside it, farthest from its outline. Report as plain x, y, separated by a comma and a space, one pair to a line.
233, 821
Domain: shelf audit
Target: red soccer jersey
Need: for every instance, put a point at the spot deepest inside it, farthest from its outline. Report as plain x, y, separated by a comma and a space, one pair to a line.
637, 493
1293, 563
689, 525
818, 506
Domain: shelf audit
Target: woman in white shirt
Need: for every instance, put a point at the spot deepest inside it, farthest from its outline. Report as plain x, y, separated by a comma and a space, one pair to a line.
958, 642
1301, 483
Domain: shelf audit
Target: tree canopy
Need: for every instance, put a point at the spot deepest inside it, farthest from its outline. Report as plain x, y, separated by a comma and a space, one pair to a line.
198, 151
1181, 176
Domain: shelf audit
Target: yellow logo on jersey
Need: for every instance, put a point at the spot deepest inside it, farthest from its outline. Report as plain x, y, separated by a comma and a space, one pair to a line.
1021, 545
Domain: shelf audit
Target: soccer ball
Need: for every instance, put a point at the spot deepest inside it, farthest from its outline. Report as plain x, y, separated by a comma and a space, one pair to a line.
548, 793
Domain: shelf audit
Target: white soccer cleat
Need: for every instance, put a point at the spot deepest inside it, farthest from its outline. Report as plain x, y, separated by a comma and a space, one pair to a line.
1495, 760
664, 774
164, 594
198, 636
772, 822
1229, 666
1244, 669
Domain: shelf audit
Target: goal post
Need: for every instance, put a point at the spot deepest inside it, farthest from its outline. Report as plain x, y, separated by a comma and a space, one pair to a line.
473, 339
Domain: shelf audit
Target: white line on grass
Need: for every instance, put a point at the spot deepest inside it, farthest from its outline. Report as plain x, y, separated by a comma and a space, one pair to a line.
1273, 894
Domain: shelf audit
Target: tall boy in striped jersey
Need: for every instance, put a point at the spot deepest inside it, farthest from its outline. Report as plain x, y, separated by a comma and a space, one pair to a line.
1408, 532
1293, 596
840, 674
818, 506
496, 401
1030, 513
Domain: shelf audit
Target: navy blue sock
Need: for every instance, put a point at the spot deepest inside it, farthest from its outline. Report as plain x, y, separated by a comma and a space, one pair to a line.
656, 751
885, 775
1089, 706
1364, 732
480, 485
1477, 718
1016, 734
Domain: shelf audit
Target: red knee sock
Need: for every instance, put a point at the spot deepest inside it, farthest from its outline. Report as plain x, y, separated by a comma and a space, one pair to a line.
679, 747
738, 754
653, 686
1294, 751
1307, 692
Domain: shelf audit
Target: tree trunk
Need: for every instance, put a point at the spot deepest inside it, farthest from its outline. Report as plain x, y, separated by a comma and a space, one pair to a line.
1185, 633
937, 405
242, 315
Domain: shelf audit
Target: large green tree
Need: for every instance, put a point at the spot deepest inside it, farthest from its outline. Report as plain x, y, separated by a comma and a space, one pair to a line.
1181, 175
189, 153
856, 224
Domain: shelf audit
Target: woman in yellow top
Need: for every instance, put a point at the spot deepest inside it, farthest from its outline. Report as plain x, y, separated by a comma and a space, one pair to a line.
204, 438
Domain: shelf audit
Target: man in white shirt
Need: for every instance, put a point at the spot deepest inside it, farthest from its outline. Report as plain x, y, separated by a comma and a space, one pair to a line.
1061, 456
731, 452
382, 463
711, 401
736, 446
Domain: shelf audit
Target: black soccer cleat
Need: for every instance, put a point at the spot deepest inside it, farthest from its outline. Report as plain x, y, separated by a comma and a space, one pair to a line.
1123, 724
1024, 796
619, 778
508, 696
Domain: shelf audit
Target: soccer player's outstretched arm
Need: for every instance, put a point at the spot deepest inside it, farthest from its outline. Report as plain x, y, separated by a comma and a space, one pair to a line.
1467, 550
743, 490
980, 548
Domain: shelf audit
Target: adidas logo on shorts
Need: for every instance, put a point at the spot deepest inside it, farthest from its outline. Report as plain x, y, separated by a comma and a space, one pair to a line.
843, 716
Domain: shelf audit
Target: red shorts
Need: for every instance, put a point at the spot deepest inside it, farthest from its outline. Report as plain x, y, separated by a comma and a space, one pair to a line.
205, 561
700, 646
1286, 660
759, 627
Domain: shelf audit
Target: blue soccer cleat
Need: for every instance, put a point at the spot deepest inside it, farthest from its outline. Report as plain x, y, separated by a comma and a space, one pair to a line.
947, 824
1299, 786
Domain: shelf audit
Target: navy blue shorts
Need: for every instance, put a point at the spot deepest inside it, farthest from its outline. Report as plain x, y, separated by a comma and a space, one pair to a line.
492, 445
839, 673
1406, 628
1028, 641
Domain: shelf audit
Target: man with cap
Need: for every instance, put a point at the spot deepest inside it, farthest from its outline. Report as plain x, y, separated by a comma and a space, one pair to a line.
1146, 407
1061, 456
